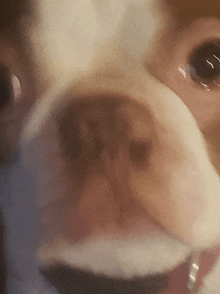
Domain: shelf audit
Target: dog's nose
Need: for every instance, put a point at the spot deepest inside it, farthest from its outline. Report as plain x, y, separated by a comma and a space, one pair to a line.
92, 126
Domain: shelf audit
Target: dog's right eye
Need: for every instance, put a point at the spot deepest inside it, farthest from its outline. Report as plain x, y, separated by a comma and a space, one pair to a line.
204, 63
6, 87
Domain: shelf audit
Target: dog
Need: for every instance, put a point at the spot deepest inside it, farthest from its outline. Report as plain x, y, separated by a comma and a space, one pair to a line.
113, 125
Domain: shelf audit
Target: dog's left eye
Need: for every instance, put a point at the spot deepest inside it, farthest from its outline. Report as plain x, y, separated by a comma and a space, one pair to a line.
10, 87
204, 63
6, 88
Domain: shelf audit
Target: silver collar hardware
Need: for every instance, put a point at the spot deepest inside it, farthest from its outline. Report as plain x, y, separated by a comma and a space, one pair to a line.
193, 270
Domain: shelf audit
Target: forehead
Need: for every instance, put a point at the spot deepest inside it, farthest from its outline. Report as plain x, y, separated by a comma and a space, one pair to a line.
95, 21
11, 11
188, 10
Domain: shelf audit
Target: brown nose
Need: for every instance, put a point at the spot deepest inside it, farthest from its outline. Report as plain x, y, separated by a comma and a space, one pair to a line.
104, 124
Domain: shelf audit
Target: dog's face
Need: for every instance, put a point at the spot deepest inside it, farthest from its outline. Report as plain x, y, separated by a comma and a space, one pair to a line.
124, 139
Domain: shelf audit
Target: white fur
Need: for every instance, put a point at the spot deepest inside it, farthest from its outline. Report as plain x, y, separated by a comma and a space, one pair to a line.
68, 36
126, 258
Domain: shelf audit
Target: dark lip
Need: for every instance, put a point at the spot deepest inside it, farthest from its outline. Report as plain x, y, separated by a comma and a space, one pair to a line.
77, 281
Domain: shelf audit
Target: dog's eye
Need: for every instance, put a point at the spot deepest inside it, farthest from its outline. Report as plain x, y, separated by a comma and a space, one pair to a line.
204, 63
6, 87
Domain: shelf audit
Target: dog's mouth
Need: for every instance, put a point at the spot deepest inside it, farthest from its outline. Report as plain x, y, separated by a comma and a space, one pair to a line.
189, 276
68, 280
180, 280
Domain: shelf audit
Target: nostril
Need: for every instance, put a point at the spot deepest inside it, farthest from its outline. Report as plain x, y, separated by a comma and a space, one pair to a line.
98, 127
139, 151
79, 140
90, 125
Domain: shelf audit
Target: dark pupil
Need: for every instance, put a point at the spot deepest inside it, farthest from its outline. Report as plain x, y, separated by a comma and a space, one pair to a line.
5, 87
205, 62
